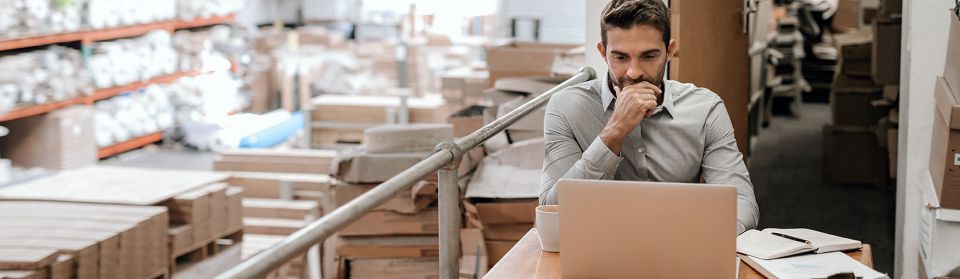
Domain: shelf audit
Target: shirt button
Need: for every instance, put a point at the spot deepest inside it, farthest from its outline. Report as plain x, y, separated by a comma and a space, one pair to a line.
640, 150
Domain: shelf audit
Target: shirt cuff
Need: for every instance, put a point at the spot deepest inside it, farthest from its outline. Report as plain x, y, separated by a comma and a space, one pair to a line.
600, 157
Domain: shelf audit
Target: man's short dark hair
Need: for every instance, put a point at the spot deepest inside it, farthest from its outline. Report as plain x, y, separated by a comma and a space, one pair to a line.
626, 14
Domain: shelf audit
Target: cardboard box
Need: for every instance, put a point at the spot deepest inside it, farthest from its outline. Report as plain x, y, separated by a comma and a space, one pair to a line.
392, 223
270, 185
513, 232
850, 102
944, 158
464, 85
368, 247
885, 68
59, 140
474, 252
522, 59
410, 201
400, 138
498, 249
851, 156
951, 70
315, 161
412, 268
507, 212
359, 166
467, 121
855, 60
891, 7
847, 17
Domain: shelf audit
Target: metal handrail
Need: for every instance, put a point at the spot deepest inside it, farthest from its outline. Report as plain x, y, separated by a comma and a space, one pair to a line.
444, 161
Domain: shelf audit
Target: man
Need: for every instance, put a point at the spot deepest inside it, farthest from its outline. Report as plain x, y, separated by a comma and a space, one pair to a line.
635, 125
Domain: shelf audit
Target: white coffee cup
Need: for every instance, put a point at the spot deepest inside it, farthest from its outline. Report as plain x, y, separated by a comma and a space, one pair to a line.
548, 227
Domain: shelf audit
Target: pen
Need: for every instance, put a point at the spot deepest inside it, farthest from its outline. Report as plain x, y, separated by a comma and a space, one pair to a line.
791, 237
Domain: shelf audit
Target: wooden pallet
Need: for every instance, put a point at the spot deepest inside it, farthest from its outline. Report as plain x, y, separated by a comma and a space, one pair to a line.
183, 259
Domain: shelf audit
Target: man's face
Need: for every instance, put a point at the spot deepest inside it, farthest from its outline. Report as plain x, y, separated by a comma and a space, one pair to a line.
636, 55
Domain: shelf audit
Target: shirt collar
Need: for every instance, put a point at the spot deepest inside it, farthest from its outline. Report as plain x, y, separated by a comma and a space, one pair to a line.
607, 98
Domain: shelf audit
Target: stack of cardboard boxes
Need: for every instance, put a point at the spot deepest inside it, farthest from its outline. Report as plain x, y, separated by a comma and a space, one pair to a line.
940, 226
399, 238
856, 142
275, 204
503, 194
62, 139
342, 119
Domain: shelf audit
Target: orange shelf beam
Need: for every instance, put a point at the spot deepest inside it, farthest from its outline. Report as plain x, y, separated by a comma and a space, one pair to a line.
89, 36
98, 95
200, 22
129, 145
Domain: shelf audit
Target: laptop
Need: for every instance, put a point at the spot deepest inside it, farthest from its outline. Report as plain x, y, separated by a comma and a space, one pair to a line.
628, 229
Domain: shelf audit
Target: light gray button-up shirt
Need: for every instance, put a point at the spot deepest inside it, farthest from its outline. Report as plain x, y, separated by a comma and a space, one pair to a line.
688, 136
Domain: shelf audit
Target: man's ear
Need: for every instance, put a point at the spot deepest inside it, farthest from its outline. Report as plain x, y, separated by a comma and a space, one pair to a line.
672, 49
602, 50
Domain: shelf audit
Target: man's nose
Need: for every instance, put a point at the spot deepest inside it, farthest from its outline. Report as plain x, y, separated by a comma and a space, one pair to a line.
634, 72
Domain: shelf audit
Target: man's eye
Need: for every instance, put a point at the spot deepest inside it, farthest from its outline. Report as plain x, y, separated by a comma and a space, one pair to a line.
651, 56
621, 58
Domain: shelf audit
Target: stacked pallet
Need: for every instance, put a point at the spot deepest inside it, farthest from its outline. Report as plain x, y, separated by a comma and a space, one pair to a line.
342, 119
502, 196
73, 240
288, 187
400, 236
275, 160
202, 212
263, 218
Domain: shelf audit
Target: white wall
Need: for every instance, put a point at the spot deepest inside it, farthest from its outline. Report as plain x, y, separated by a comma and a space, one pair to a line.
592, 23
925, 25
560, 20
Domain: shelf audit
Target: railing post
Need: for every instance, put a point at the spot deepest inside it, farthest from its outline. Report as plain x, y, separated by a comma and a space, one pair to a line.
449, 201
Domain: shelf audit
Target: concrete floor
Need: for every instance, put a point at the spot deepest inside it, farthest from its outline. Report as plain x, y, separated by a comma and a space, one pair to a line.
785, 169
786, 173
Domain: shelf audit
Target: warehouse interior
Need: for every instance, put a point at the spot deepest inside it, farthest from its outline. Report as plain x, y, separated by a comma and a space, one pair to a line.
414, 138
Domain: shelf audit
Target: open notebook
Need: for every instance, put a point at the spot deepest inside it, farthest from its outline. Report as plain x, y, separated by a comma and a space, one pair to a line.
777, 243
812, 266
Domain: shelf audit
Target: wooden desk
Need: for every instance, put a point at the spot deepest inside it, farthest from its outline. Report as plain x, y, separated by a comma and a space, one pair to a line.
526, 260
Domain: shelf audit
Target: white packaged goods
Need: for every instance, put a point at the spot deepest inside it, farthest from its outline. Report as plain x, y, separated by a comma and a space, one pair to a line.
192, 9
122, 62
42, 76
196, 49
204, 96
136, 114
24, 18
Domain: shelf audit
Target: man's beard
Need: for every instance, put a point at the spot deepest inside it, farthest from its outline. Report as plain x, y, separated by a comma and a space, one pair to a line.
626, 81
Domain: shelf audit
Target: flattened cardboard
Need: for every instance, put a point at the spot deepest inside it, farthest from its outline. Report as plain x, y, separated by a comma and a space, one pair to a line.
392, 223
360, 247
411, 201
398, 138
359, 166
409, 268
513, 172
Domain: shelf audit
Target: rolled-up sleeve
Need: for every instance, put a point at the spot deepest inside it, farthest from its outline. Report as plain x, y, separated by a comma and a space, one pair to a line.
723, 164
565, 158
